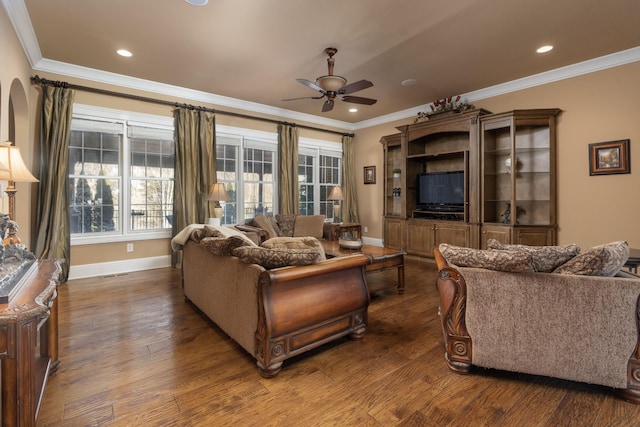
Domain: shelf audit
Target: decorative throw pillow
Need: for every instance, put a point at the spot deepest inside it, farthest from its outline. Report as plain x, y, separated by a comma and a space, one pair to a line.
287, 223
274, 258
498, 260
296, 243
268, 224
309, 225
545, 258
603, 260
198, 234
223, 246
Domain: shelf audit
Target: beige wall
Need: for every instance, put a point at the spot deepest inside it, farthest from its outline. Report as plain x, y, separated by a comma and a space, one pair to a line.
597, 107
15, 72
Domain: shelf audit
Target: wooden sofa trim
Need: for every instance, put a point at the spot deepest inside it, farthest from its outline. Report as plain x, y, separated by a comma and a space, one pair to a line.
452, 290
458, 344
303, 307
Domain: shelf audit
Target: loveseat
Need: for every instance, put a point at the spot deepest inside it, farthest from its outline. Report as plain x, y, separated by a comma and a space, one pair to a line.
273, 312
500, 309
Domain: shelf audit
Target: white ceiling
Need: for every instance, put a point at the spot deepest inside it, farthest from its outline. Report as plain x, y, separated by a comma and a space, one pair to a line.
253, 50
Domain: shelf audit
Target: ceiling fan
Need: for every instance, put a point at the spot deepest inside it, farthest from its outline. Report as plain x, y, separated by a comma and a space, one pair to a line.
333, 87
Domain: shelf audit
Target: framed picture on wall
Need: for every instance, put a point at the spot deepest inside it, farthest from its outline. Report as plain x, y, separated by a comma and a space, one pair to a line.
369, 174
612, 157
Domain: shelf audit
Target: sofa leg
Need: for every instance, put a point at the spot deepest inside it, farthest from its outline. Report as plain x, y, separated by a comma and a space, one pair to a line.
357, 334
269, 371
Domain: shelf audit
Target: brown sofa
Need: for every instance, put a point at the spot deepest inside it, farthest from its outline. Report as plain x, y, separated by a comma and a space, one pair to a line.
568, 326
275, 314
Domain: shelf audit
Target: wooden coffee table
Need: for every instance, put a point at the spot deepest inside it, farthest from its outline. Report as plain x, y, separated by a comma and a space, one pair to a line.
380, 258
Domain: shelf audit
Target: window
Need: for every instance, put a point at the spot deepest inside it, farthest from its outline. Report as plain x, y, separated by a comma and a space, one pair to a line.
319, 170
246, 162
121, 175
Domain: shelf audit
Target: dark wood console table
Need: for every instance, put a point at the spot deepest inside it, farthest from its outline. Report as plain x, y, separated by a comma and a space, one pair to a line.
29, 343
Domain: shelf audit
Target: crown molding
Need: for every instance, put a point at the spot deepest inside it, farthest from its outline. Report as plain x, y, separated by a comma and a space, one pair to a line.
19, 17
100, 76
590, 66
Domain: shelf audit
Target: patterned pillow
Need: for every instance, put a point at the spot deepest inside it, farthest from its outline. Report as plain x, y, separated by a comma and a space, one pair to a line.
287, 223
200, 233
268, 224
498, 260
274, 258
545, 258
603, 260
223, 246
295, 243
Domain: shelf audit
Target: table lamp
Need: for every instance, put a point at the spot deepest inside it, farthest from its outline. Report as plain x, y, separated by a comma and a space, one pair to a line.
15, 171
337, 197
217, 193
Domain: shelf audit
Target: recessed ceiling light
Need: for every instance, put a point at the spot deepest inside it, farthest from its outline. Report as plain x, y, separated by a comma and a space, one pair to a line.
353, 110
197, 2
409, 82
124, 52
544, 49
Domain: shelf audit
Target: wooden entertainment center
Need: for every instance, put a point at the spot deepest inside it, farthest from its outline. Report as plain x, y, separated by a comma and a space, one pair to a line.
508, 160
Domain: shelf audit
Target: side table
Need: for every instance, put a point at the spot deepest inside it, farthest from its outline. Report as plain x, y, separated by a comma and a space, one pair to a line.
333, 230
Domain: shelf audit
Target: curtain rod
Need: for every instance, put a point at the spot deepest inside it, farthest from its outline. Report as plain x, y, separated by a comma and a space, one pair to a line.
38, 80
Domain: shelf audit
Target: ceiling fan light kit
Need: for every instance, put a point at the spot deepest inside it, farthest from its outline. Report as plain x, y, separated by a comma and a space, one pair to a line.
332, 86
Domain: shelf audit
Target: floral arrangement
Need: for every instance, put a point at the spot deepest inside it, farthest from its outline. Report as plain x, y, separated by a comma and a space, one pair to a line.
444, 105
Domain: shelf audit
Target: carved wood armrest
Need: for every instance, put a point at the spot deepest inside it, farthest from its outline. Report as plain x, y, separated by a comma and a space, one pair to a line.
452, 290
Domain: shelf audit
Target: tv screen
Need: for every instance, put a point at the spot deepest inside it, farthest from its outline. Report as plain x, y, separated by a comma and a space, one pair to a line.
441, 191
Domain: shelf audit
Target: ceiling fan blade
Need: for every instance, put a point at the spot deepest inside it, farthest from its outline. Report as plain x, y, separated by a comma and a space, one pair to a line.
304, 97
354, 87
311, 85
327, 106
359, 100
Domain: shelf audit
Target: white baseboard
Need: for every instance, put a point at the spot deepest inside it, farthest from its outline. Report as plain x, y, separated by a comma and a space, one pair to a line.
118, 267
372, 242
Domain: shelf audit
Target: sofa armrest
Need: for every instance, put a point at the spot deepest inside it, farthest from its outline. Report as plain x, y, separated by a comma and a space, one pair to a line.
303, 307
452, 290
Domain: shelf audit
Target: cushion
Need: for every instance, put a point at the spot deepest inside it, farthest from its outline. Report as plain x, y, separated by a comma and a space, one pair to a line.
286, 222
223, 245
493, 259
545, 258
603, 260
309, 225
206, 231
226, 231
268, 224
274, 258
296, 243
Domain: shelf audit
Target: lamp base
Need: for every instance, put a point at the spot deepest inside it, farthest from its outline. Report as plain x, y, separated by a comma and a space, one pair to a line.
214, 221
336, 213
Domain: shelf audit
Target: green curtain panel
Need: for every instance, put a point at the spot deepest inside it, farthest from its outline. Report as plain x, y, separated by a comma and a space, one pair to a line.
288, 170
195, 168
350, 206
52, 221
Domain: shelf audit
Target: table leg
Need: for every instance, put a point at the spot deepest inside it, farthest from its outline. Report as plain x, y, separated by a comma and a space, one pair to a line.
401, 279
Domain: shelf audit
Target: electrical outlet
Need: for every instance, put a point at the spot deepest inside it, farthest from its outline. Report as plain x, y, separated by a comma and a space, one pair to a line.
129, 247
366, 229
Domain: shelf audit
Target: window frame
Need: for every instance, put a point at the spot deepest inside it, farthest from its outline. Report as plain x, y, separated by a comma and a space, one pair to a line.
89, 112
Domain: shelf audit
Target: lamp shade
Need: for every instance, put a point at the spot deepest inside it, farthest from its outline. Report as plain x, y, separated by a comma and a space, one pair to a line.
218, 193
336, 194
15, 169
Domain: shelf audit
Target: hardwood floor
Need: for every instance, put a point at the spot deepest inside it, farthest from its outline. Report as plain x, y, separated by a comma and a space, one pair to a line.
134, 353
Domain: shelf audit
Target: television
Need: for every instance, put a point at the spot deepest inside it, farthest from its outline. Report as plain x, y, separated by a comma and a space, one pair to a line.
441, 191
